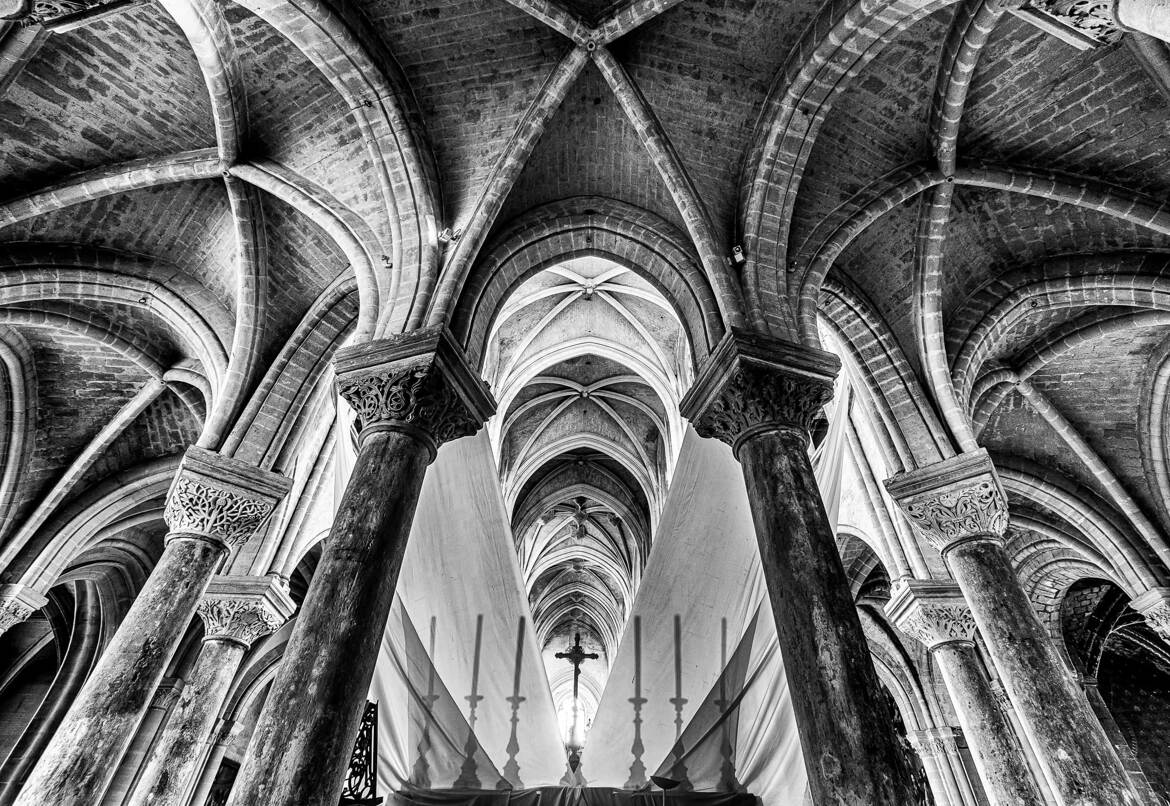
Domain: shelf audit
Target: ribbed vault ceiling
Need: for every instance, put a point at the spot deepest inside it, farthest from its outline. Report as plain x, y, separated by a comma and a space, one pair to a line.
203, 200
588, 362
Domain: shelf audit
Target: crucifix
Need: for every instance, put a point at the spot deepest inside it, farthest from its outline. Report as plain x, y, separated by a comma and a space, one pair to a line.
576, 655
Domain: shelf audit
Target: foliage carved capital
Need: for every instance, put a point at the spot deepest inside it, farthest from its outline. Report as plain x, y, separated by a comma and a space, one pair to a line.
243, 608
57, 15
418, 383
220, 498
932, 613
1154, 605
932, 742
953, 501
752, 384
1091, 22
17, 603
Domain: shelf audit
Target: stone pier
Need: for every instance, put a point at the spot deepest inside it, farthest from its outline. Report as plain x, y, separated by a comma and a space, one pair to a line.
959, 506
411, 394
215, 504
236, 611
936, 614
759, 395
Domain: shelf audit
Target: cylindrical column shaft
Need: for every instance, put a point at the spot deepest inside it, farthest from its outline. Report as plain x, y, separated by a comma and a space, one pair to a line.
214, 504
1132, 766
960, 507
177, 753
211, 765
950, 761
1039, 775
1151, 17
84, 645
236, 610
76, 765
847, 736
130, 766
305, 733
1075, 751
942, 784
998, 756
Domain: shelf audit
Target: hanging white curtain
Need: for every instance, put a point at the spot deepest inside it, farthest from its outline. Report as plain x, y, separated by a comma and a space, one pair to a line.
702, 631
463, 696
697, 689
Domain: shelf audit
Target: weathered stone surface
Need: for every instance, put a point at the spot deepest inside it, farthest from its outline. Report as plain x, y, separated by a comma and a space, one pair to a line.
235, 611
1091, 22
953, 501
1154, 605
753, 383
215, 504
84, 646
959, 506
411, 394
758, 395
797, 189
17, 603
75, 767
244, 608
417, 383
221, 499
936, 614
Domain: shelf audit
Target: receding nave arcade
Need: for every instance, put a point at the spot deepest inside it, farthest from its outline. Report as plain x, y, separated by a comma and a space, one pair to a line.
718, 401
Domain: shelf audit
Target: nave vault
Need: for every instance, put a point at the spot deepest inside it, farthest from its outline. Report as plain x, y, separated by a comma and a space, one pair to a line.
586, 402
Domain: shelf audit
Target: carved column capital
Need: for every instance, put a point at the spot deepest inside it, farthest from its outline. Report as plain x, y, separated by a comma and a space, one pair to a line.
926, 745
17, 603
753, 384
244, 608
221, 499
1001, 696
933, 742
953, 501
58, 15
1081, 23
418, 383
167, 694
221, 734
933, 613
1154, 605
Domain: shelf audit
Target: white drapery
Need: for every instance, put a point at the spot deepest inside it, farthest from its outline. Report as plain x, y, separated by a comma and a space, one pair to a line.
698, 659
460, 600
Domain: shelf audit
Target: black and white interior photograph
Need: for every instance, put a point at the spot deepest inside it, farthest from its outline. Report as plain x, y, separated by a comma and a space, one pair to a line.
585, 402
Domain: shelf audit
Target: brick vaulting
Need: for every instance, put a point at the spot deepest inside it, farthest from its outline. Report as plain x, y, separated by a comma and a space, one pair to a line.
202, 201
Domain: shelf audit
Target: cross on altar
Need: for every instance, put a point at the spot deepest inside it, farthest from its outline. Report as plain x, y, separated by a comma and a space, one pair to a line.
576, 655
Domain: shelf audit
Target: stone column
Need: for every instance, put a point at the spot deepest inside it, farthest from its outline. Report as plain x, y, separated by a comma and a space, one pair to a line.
17, 603
1150, 17
759, 394
236, 611
215, 504
936, 614
956, 766
929, 750
80, 656
945, 764
960, 508
1154, 605
221, 739
1039, 774
1124, 752
129, 767
1093, 23
211, 764
411, 394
